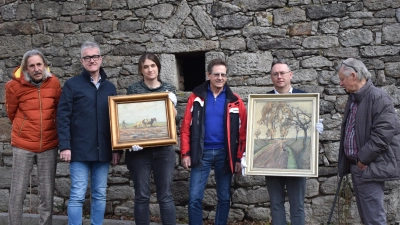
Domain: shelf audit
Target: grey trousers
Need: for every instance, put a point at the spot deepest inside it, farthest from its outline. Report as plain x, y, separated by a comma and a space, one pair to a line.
369, 198
23, 161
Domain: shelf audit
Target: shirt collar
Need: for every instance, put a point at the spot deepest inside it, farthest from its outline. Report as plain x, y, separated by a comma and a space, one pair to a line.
290, 91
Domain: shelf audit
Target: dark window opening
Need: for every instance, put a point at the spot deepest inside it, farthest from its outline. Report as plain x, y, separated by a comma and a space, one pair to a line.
191, 69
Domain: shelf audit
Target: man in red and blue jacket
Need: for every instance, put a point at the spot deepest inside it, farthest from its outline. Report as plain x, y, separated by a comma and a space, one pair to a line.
213, 134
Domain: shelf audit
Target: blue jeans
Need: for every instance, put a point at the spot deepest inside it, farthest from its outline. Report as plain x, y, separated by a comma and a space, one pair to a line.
160, 160
296, 189
198, 180
79, 173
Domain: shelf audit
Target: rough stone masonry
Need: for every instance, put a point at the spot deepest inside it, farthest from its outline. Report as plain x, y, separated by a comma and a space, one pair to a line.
313, 35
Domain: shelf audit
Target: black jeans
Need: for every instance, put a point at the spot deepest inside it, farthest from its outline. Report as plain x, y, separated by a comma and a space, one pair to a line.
160, 160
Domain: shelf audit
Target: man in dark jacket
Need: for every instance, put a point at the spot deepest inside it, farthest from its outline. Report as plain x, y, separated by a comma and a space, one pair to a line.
370, 140
281, 77
83, 126
213, 133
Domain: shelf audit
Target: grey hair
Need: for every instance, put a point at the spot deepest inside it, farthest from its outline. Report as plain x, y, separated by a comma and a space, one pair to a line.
354, 65
279, 61
24, 64
89, 44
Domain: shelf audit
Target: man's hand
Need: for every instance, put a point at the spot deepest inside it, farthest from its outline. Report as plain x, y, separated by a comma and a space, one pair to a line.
115, 158
238, 167
186, 162
65, 155
361, 166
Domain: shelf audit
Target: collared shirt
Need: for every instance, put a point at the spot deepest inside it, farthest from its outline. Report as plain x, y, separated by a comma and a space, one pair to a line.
350, 146
290, 91
96, 84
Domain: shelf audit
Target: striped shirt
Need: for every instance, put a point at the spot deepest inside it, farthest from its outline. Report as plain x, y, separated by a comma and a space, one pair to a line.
350, 145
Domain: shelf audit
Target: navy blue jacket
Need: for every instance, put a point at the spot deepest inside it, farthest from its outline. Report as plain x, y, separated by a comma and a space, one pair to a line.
294, 91
83, 121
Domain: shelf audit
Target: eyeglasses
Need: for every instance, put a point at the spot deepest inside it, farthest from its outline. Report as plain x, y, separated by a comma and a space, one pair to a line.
280, 73
216, 75
89, 57
349, 66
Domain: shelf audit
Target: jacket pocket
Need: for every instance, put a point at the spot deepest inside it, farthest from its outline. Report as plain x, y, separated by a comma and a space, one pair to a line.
22, 125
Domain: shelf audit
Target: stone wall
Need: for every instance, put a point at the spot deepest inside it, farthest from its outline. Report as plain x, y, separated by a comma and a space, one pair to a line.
314, 35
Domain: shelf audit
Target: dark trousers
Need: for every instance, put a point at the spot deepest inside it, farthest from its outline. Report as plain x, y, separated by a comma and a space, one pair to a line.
160, 160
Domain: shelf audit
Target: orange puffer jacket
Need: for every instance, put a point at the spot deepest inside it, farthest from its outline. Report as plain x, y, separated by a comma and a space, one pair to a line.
32, 111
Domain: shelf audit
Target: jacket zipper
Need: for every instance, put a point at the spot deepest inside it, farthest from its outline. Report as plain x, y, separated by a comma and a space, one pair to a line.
22, 125
41, 117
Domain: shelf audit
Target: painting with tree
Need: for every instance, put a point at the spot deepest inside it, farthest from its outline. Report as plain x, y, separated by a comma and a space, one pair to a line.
281, 135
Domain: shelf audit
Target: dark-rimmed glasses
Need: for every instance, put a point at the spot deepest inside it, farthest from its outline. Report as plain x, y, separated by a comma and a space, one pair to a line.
216, 75
89, 57
349, 66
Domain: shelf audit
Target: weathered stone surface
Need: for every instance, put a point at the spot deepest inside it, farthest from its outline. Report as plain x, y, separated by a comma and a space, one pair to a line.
11, 46
320, 42
258, 5
391, 34
128, 49
8, 12
220, 8
351, 23
386, 13
325, 11
203, 21
288, 15
5, 171
371, 51
46, 10
250, 196
259, 214
73, 8
103, 26
162, 11
234, 21
171, 26
120, 193
186, 45
398, 14
373, 21
61, 187
5, 196
330, 185
193, 32
278, 43
299, 2
301, 29
250, 181
360, 15
233, 44
23, 12
85, 18
264, 19
380, 4
304, 75
326, 107
76, 39
256, 31
332, 149
392, 69
152, 25
355, 37
342, 52
62, 27
312, 188
315, 62
250, 63
130, 26
133, 4
19, 28
99, 4
142, 12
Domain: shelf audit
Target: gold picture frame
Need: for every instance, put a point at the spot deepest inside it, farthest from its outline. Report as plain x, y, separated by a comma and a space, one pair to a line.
281, 136
147, 120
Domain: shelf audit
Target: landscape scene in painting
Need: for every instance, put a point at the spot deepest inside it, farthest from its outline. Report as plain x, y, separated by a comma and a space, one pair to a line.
142, 120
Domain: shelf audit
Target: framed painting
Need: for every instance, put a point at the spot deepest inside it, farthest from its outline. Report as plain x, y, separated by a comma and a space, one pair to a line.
281, 136
147, 120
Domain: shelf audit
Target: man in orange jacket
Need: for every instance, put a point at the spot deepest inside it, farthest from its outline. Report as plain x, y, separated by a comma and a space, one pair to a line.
31, 101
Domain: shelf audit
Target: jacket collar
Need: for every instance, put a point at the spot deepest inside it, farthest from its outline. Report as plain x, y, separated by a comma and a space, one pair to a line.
359, 95
201, 91
103, 75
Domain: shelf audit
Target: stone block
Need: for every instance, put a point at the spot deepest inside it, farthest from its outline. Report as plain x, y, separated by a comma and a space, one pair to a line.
326, 11
162, 11
288, 15
14, 46
330, 27
233, 44
169, 72
278, 43
385, 13
253, 31
204, 21
315, 62
264, 19
143, 13
301, 29
5, 198
326, 106
172, 25
332, 149
259, 5
120, 193
134, 4
99, 4
129, 25
398, 15
355, 37
302, 75
320, 42
250, 63
23, 11
19, 28
299, 2
5, 174
391, 34
250, 196
342, 52
119, 4
188, 45
46, 10
76, 40
220, 8
374, 5
73, 8
373, 51
360, 15
351, 23
392, 69
193, 33
235, 21
394, 94
374, 21
8, 12
312, 188
41, 40
259, 214
62, 27
103, 26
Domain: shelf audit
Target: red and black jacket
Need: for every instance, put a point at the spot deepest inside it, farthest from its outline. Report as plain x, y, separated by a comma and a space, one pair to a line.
192, 129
